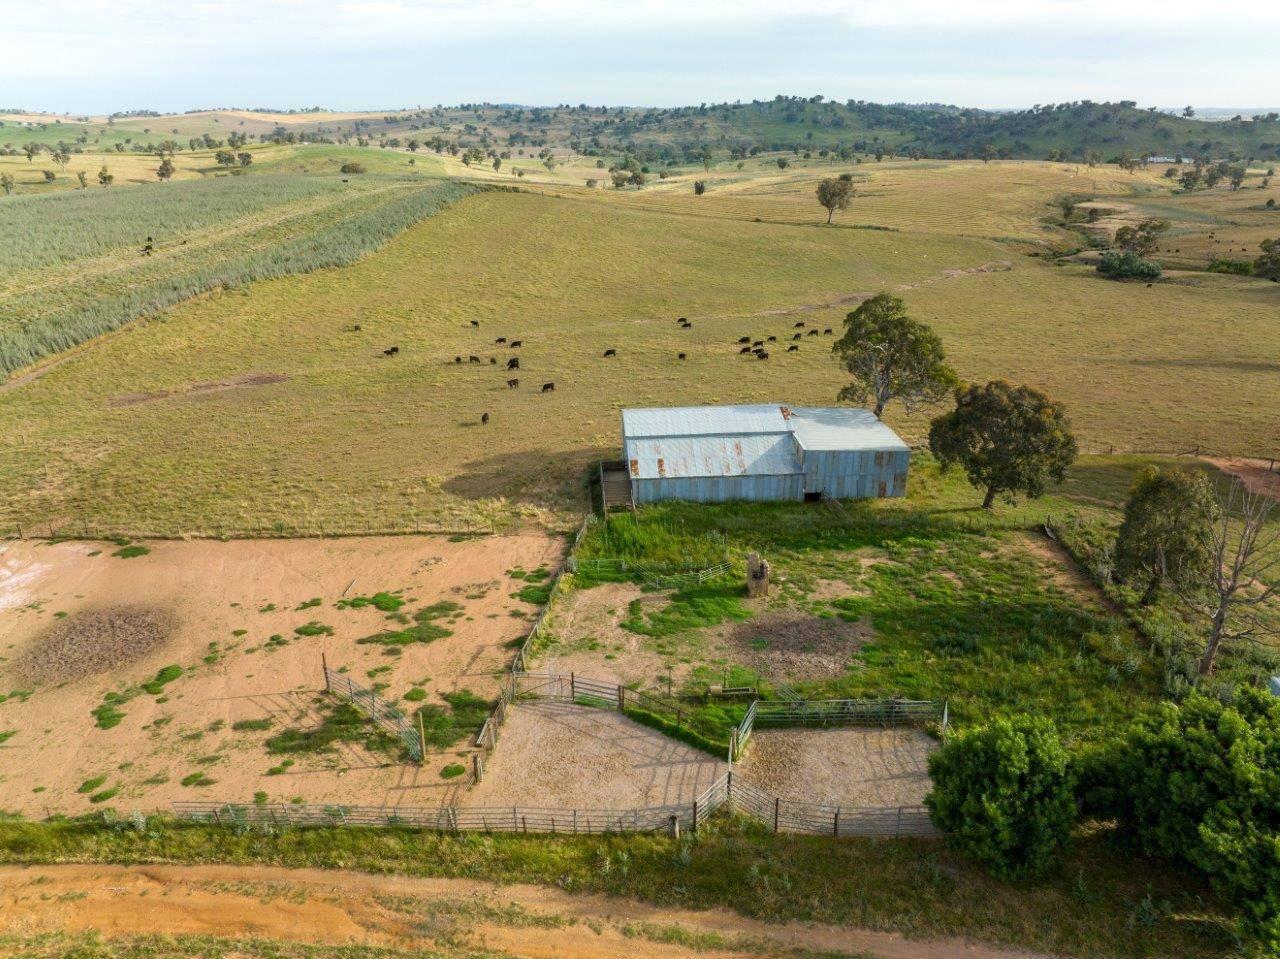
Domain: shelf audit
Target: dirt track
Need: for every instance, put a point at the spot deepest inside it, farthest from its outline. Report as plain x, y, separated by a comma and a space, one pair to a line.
342, 907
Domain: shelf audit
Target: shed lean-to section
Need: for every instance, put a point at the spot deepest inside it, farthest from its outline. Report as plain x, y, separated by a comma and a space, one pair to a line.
760, 452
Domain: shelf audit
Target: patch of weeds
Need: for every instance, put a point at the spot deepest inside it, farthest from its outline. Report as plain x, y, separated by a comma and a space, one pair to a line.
251, 725
239, 632
452, 771
464, 714
416, 695
163, 678
260, 797
108, 714
342, 723
275, 641
209, 760
159, 779
131, 552
281, 769
39, 789
693, 608
269, 608
313, 628
197, 779
216, 726
424, 628
96, 552
386, 602
537, 595
89, 785
539, 575
104, 795
308, 604
7, 734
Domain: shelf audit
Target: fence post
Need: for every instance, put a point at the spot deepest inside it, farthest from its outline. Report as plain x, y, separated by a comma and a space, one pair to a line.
897, 830
477, 766
324, 664
573, 688
694, 827
836, 823
776, 804
622, 699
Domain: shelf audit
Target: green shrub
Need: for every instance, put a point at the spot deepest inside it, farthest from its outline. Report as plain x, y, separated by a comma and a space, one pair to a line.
452, 771
163, 678
1003, 794
1128, 266
1237, 267
131, 552
1199, 783
251, 725
352, 167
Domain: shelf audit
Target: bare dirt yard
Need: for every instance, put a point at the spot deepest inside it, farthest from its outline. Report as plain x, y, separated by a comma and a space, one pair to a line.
132, 677
559, 755
841, 767
339, 908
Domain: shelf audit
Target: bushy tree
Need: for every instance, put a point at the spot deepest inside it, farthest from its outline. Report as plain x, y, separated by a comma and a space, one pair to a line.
245, 159
225, 158
352, 167
105, 176
1142, 239
1268, 265
699, 187
1164, 537
891, 356
1128, 266
834, 193
1004, 794
1199, 783
1008, 439
6, 183
165, 170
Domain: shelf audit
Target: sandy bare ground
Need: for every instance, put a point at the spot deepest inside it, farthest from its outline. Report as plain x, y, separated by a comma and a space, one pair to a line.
345, 907
841, 767
565, 756
1258, 476
213, 591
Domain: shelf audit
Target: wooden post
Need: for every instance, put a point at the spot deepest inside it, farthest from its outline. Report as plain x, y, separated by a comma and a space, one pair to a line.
324, 663
573, 688
694, 827
477, 766
674, 828
777, 803
836, 823
622, 700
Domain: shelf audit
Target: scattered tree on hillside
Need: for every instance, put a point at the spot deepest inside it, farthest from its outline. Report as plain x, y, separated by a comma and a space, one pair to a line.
987, 153
1143, 239
165, 170
1242, 572
783, 163
244, 158
497, 164
1190, 179
105, 177
6, 183
83, 178
835, 193
49, 176
351, 167
31, 149
1188, 112
1008, 439
1268, 265
891, 356
1164, 538
699, 187
1004, 794
225, 158
62, 158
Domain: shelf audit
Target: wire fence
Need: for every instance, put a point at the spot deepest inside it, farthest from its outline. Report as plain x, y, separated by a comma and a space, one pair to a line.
386, 716
731, 791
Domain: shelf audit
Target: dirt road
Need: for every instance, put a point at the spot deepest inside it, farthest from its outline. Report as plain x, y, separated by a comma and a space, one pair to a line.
316, 906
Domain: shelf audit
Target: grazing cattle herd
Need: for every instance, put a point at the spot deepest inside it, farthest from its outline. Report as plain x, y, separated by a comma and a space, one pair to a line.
749, 346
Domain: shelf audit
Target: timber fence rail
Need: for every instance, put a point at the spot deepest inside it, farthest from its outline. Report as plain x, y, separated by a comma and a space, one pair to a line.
848, 712
387, 717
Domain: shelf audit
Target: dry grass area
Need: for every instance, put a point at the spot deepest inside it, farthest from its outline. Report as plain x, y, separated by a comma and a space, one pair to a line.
247, 624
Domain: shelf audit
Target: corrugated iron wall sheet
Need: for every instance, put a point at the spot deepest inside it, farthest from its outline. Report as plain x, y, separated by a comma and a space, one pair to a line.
720, 489
856, 474
691, 456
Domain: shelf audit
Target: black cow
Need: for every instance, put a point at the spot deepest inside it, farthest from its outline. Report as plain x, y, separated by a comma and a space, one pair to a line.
473, 359
745, 349
493, 361
484, 418
813, 332
548, 387
610, 352
515, 344
762, 355
758, 343
799, 326
744, 339
512, 384
680, 355
683, 319
793, 348
391, 351
513, 363
475, 322
457, 359
501, 339
773, 339
796, 336
356, 328
827, 331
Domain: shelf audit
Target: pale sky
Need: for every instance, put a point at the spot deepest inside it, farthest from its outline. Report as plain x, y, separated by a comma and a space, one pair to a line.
95, 56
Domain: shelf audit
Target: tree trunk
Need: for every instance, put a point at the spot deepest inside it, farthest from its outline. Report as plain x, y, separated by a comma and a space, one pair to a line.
1152, 588
830, 214
879, 408
989, 500
1209, 659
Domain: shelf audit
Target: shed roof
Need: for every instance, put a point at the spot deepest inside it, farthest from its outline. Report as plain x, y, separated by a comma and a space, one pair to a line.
769, 454
704, 420
841, 428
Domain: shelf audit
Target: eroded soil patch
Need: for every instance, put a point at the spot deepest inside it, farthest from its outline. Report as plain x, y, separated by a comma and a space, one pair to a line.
94, 641
795, 644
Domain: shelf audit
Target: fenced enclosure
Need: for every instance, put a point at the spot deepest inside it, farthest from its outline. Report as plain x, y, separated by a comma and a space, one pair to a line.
386, 716
731, 791
849, 712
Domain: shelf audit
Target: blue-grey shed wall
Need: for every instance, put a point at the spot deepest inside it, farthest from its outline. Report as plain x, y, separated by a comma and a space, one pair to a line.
719, 489
856, 474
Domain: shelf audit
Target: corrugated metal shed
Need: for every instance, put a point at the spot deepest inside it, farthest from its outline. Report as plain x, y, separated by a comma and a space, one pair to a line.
834, 428
704, 420
768, 454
